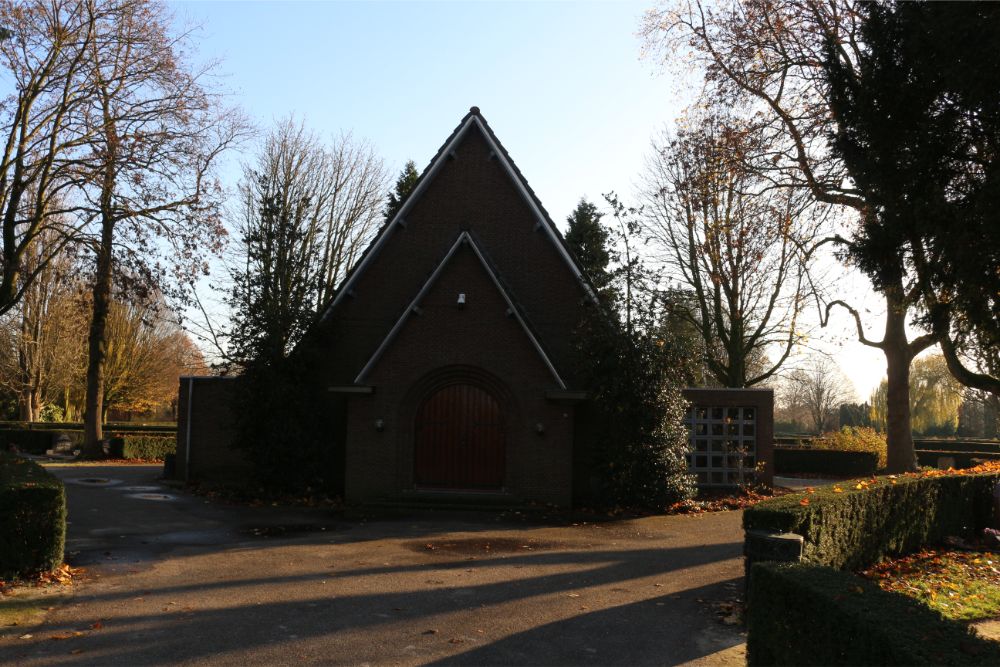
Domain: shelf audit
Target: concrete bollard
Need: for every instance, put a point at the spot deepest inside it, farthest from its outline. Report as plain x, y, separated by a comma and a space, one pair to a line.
766, 545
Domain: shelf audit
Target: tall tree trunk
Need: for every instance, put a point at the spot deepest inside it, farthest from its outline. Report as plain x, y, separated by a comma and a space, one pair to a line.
97, 344
899, 354
24, 405
991, 416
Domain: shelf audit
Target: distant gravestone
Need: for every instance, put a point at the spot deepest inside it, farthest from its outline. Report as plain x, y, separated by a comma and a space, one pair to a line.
62, 445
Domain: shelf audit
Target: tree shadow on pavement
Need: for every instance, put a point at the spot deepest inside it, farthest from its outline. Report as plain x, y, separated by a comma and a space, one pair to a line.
383, 624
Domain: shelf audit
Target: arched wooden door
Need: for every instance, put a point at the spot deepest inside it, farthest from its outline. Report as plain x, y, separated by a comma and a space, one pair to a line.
459, 439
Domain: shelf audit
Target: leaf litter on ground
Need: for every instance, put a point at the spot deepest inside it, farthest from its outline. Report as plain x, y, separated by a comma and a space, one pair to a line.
961, 585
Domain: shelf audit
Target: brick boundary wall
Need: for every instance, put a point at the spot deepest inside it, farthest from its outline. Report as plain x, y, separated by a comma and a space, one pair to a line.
205, 432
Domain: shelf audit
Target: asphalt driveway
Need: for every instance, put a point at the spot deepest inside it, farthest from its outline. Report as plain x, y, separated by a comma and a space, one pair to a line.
173, 579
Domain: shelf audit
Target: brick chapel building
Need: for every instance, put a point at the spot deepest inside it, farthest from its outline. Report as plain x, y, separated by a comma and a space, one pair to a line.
447, 353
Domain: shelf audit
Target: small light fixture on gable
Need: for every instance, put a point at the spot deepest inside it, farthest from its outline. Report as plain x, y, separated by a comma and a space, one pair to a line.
379, 425
461, 299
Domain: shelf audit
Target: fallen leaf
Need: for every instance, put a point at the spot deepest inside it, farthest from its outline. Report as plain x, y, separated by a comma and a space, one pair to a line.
97, 626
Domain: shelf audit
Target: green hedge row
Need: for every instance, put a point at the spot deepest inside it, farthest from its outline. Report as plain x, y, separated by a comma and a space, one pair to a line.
886, 517
807, 615
144, 446
988, 446
30, 441
960, 460
78, 426
124, 445
32, 518
791, 460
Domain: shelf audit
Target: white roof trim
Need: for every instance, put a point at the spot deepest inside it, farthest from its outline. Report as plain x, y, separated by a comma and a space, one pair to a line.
463, 238
432, 170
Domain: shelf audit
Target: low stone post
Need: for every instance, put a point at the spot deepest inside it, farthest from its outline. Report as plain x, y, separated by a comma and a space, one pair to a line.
768, 545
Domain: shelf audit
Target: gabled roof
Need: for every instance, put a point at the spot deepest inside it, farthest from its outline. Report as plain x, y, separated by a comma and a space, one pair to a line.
472, 119
465, 238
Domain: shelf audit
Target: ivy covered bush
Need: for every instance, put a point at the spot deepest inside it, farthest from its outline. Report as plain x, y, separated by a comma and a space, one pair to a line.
633, 367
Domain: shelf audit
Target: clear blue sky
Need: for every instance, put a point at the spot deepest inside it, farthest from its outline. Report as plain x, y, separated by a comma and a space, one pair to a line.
561, 83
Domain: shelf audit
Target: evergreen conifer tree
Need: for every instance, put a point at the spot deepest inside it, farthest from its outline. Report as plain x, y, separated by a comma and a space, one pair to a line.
404, 186
588, 239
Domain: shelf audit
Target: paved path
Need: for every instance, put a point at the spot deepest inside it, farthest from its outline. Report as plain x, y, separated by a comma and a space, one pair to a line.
180, 581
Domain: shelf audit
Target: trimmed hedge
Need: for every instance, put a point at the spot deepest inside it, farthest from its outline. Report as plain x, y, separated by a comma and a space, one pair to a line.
807, 615
145, 446
32, 518
962, 459
790, 460
28, 440
975, 446
125, 427
885, 517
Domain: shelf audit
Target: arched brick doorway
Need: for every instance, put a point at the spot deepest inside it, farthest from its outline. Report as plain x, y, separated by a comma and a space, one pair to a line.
460, 440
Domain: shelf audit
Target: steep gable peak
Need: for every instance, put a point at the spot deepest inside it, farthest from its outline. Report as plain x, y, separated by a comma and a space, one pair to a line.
473, 120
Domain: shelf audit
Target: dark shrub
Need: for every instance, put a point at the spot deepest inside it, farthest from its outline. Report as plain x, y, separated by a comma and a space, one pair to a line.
30, 441
792, 460
807, 615
32, 518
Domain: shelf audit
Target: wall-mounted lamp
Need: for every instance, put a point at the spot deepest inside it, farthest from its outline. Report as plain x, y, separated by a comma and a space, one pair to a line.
379, 425
540, 428
461, 300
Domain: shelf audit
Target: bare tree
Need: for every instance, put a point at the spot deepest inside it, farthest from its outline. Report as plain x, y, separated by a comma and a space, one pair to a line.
768, 56
155, 132
818, 389
741, 247
43, 51
307, 211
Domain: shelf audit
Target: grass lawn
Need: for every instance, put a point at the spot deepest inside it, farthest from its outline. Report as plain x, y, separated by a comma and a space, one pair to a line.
961, 585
